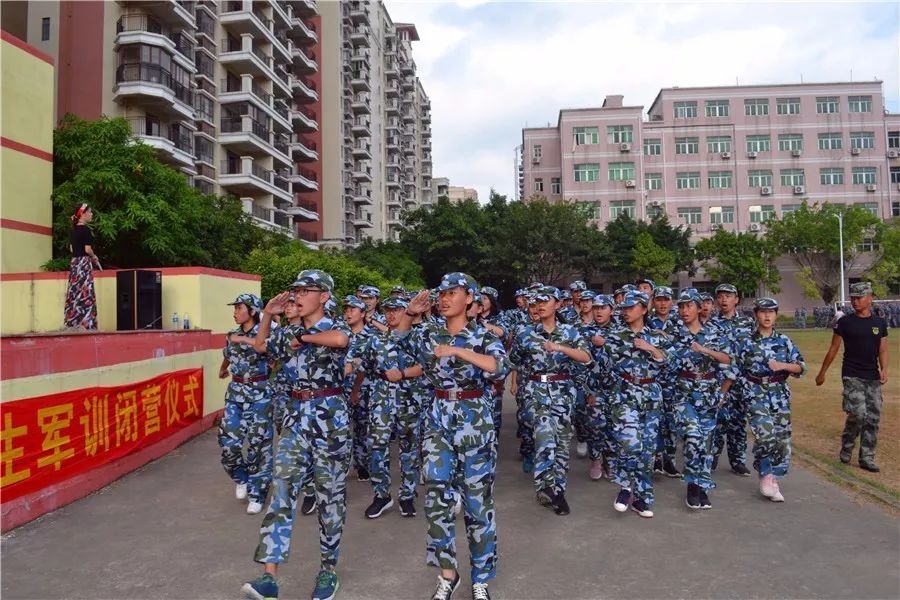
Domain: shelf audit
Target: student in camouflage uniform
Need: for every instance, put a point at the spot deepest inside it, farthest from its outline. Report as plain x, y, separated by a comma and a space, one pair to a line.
524, 412
571, 299
248, 410
601, 445
316, 431
765, 360
664, 319
646, 285
358, 395
370, 295
699, 351
463, 360
581, 419
707, 308
492, 318
636, 356
514, 317
732, 423
548, 351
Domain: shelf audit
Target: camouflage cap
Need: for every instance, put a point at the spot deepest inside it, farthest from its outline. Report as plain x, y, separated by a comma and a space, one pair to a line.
314, 278
352, 301
689, 295
633, 298
394, 303
478, 297
489, 291
577, 286
521, 292
629, 287
547, 292
530, 298
727, 288
368, 291
646, 280
398, 289
252, 301
331, 307
587, 295
565, 295
457, 279
604, 300
765, 304
663, 291
706, 296
618, 291
860, 288
535, 285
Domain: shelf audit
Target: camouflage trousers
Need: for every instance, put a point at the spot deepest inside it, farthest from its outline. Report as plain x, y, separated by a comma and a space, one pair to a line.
247, 421
581, 417
280, 392
359, 414
696, 425
497, 393
315, 442
601, 438
459, 453
393, 410
635, 422
667, 437
862, 403
525, 422
770, 421
731, 429
552, 407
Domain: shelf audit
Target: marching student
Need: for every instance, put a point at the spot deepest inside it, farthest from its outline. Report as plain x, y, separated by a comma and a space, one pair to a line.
602, 443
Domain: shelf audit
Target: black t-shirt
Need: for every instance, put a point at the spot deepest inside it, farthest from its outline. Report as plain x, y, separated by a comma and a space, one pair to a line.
862, 340
80, 237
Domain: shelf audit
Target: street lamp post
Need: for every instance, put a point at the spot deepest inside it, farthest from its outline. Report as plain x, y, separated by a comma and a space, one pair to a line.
840, 218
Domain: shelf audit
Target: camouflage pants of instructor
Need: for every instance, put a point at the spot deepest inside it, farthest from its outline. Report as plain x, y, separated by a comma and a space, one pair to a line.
392, 409
862, 403
552, 408
315, 433
731, 429
459, 451
247, 418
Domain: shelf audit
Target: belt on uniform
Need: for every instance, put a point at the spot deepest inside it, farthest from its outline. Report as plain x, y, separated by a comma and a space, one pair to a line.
250, 379
547, 377
697, 376
458, 394
768, 379
304, 395
640, 381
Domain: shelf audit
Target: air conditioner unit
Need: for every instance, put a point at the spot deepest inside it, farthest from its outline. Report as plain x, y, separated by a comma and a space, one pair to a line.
854, 151
755, 227
871, 187
799, 189
535, 160
629, 183
893, 153
796, 153
726, 155
765, 191
752, 154
624, 147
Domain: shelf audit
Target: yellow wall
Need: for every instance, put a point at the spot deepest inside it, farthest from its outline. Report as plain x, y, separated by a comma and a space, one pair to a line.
22, 251
27, 111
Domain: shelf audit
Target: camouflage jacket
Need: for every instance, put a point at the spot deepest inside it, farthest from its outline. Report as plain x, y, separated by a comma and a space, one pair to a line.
243, 360
754, 353
622, 357
528, 352
685, 360
317, 367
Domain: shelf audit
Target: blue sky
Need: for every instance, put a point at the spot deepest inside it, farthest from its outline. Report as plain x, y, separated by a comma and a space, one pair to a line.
492, 68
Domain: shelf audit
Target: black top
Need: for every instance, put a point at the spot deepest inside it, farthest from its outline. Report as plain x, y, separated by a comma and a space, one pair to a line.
80, 237
862, 340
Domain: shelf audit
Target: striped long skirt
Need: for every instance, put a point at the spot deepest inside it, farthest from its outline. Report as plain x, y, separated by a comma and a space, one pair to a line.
81, 301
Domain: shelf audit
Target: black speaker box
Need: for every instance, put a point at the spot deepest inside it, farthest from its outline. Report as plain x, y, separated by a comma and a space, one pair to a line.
138, 300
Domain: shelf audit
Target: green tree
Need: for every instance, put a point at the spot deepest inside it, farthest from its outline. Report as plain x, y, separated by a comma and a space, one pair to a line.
743, 259
392, 260
621, 236
810, 236
886, 271
652, 260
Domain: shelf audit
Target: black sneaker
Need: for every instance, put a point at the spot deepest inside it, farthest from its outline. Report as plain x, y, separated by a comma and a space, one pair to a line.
480, 591
693, 496
622, 500
715, 464
560, 506
740, 469
845, 456
658, 465
669, 468
378, 506
545, 497
309, 505
705, 504
641, 508
407, 508
869, 466
445, 588
362, 474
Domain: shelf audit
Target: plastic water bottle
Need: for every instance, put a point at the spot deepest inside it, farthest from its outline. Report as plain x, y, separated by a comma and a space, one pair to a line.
186, 321
175, 322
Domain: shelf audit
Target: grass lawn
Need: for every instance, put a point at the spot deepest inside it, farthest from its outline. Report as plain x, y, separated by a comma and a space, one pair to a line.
818, 419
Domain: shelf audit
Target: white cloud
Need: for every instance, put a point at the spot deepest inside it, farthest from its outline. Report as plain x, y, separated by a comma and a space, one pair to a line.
491, 68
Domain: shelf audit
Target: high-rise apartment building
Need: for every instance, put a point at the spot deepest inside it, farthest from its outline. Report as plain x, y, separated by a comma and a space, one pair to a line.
441, 188
721, 156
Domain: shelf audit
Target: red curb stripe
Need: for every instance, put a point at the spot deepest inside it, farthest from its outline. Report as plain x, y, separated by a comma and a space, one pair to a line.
26, 227
5, 142
25, 47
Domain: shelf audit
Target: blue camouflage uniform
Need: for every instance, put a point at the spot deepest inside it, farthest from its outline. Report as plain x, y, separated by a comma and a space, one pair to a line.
667, 438
248, 412
497, 320
581, 418
524, 412
359, 412
601, 442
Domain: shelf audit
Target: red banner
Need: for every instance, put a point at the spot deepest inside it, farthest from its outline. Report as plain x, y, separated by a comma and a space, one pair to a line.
49, 439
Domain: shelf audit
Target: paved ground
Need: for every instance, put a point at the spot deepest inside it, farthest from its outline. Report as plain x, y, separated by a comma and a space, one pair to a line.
173, 530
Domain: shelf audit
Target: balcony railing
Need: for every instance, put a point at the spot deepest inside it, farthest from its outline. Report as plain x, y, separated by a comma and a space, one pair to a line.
282, 219
235, 124
308, 236
181, 138
148, 24
310, 206
151, 73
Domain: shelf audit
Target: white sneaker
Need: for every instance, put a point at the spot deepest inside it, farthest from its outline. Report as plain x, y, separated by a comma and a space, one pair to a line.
240, 491
776, 495
581, 449
254, 507
767, 486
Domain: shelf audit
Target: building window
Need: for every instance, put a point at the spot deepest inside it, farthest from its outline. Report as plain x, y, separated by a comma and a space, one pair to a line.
621, 171
618, 134
592, 210
621, 207
687, 145
654, 210
863, 175
860, 104
687, 180
872, 207
685, 110
539, 184
653, 181
830, 141
653, 147
862, 140
721, 215
831, 176
826, 105
757, 179
790, 141
587, 172
787, 209
537, 151
895, 209
586, 135
893, 140
787, 106
718, 143
867, 245
719, 180
895, 175
45, 29
691, 215
758, 143
717, 108
756, 107
761, 214
792, 177
555, 187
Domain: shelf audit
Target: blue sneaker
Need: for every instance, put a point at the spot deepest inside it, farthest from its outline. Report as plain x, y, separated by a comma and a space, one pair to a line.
327, 585
528, 463
261, 588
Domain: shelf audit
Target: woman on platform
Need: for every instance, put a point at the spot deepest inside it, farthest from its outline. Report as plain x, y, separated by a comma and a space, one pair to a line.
81, 301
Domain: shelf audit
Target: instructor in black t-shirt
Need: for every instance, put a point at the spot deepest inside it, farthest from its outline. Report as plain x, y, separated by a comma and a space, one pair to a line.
81, 301
863, 373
